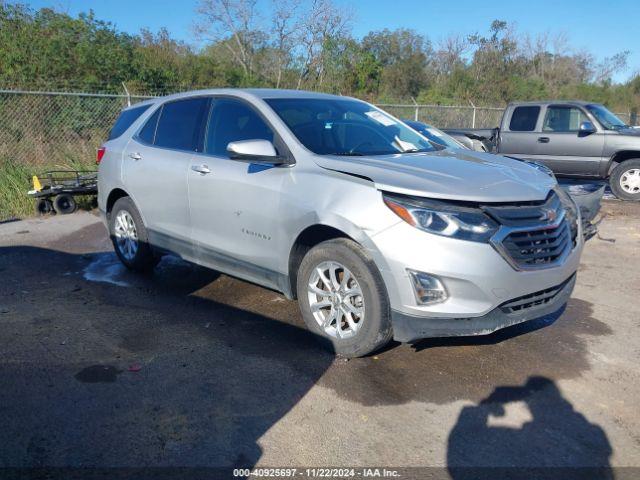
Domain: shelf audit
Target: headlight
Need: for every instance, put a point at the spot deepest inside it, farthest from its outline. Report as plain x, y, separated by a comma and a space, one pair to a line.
443, 219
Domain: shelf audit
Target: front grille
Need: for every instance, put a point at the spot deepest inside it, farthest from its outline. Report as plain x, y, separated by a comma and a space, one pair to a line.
540, 247
533, 299
525, 214
534, 234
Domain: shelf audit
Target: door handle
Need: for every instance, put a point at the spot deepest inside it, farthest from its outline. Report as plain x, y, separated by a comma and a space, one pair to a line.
135, 156
543, 139
201, 169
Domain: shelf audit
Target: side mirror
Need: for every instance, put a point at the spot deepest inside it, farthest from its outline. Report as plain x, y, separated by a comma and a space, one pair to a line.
254, 151
587, 128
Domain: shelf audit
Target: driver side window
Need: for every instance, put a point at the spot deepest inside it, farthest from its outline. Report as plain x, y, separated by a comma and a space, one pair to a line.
231, 120
563, 119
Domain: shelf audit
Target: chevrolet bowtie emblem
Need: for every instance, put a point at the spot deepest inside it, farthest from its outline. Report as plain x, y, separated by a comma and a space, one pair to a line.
549, 215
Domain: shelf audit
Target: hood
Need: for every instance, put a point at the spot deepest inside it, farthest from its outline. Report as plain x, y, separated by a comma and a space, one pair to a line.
448, 174
632, 132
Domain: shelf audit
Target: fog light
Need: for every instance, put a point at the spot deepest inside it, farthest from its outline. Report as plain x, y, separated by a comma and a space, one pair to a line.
428, 288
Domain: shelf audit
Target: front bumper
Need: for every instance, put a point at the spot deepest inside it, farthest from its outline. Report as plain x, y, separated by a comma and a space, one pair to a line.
476, 276
408, 328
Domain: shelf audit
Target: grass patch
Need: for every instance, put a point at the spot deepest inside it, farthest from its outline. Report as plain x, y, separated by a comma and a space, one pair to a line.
15, 182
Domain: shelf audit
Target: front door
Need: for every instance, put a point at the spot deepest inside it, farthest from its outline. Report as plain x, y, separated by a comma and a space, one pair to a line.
235, 206
565, 149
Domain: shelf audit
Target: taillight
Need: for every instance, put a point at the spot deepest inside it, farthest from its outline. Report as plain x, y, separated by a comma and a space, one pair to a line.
100, 154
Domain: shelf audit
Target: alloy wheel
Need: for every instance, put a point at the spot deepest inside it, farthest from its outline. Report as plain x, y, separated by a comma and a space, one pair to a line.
126, 235
336, 300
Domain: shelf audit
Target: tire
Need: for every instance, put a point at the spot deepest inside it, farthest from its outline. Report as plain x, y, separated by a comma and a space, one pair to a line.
624, 180
124, 214
64, 204
372, 323
43, 206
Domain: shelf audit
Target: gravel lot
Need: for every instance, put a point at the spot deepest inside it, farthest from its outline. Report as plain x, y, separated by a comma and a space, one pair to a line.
186, 368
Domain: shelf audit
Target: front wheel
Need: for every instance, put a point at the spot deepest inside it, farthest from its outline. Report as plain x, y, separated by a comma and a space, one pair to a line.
129, 236
625, 180
343, 299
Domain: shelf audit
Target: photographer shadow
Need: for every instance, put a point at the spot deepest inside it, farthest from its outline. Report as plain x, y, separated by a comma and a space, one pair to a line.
554, 442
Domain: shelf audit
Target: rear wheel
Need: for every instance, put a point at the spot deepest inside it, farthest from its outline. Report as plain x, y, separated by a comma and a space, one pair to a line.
343, 299
64, 204
625, 180
129, 236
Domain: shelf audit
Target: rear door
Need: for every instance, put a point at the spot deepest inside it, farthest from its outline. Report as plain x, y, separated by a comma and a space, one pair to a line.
518, 137
562, 146
156, 162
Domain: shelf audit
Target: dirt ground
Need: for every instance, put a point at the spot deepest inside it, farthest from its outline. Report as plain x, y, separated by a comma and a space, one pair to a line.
186, 370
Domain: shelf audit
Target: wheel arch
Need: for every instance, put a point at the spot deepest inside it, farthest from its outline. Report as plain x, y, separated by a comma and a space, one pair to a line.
305, 241
115, 195
621, 156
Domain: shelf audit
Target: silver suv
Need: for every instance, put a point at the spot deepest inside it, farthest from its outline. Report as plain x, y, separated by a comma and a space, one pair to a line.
377, 232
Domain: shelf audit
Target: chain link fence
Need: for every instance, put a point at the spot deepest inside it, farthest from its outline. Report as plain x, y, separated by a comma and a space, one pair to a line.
49, 128
447, 116
65, 128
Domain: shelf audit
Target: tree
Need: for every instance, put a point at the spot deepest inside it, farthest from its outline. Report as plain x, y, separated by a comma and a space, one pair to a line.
322, 22
286, 27
404, 56
233, 23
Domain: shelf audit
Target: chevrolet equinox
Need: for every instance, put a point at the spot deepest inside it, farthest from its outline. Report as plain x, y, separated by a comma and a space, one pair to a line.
376, 231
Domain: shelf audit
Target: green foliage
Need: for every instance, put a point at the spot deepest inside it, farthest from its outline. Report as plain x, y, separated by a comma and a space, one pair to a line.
51, 49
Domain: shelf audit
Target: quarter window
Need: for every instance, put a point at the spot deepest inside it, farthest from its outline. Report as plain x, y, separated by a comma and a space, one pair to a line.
563, 119
181, 123
148, 132
231, 121
524, 119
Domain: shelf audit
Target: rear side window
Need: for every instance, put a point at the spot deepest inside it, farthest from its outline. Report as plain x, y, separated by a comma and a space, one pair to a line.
125, 120
181, 123
524, 119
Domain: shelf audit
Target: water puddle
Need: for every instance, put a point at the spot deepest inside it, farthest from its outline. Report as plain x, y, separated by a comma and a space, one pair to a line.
106, 268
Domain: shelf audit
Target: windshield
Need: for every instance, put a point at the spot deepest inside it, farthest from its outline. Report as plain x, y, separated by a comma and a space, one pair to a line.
434, 134
608, 120
346, 127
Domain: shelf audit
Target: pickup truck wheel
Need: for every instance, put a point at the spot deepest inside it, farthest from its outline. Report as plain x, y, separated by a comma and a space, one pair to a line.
343, 299
625, 180
129, 236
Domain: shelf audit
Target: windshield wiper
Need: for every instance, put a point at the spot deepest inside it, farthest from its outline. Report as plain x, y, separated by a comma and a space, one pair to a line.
349, 154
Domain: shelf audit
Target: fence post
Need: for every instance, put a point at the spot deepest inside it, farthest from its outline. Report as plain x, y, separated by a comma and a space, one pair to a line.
416, 114
127, 94
473, 117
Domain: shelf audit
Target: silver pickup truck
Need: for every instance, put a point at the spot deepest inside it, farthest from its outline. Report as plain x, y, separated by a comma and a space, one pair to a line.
572, 138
